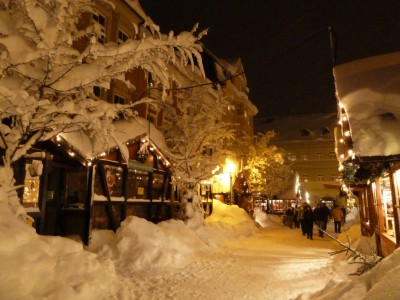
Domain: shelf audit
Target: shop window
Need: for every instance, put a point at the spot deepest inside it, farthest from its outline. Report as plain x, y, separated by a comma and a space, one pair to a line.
387, 206
396, 177
31, 183
75, 188
137, 184
157, 185
113, 178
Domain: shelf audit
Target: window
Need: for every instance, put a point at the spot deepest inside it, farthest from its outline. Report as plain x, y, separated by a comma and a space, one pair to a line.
137, 184
332, 155
31, 184
97, 91
324, 131
119, 100
335, 177
239, 109
113, 177
320, 177
152, 114
292, 157
387, 206
304, 156
318, 155
76, 188
305, 132
157, 185
305, 178
100, 26
122, 37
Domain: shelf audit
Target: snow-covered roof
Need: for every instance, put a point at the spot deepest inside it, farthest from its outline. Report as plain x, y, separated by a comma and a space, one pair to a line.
125, 130
299, 127
369, 92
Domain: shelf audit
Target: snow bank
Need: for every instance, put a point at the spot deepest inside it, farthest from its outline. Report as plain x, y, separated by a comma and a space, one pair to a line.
139, 244
38, 267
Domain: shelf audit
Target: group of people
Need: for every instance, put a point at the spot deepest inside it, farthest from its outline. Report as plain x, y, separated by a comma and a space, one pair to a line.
305, 217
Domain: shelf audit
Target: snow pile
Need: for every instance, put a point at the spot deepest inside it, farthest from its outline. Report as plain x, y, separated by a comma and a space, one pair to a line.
139, 244
37, 267
229, 222
379, 283
267, 220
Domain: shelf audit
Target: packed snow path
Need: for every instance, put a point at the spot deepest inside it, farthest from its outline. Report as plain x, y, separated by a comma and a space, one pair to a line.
276, 263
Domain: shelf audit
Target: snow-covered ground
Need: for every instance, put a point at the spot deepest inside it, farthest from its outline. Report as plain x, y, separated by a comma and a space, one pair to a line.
232, 257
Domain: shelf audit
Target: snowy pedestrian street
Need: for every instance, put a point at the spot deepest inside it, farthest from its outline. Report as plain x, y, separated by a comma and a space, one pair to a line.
275, 263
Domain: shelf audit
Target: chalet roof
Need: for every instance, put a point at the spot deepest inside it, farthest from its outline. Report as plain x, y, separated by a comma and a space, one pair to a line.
369, 93
125, 130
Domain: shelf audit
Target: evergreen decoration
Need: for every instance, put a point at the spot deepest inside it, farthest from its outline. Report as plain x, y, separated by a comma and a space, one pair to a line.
365, 171
142, 156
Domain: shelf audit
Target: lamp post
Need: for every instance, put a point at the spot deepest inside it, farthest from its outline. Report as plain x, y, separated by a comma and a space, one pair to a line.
230, 167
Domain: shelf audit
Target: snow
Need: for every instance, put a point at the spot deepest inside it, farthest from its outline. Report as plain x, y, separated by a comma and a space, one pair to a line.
369, 91
124, 131
231, 257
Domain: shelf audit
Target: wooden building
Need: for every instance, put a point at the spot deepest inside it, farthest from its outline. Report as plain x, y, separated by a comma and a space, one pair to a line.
73, 186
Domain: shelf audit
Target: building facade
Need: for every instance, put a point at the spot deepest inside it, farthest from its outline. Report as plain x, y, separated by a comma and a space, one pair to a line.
310, 143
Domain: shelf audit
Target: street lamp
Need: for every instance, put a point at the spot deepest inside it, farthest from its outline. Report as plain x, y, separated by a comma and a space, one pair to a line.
230, 167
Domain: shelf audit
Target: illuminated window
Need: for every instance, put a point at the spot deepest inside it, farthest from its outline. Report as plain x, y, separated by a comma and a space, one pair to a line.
31, 185
113, 178
387, 207
137, 184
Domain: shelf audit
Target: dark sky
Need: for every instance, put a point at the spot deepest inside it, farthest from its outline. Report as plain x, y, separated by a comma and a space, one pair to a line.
284, 44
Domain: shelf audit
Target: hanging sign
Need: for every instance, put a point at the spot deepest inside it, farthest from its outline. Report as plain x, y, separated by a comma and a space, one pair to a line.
133, 164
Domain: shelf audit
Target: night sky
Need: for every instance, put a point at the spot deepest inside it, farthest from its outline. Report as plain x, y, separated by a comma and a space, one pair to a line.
284, 44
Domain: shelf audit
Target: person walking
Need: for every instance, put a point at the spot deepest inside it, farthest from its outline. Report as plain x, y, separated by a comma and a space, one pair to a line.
337, 216
289, 217
296, 217
318, 218
308, 219
325, 216
301, 220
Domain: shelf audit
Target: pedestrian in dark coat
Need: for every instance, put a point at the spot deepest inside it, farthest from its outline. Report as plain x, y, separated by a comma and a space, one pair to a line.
308, 219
